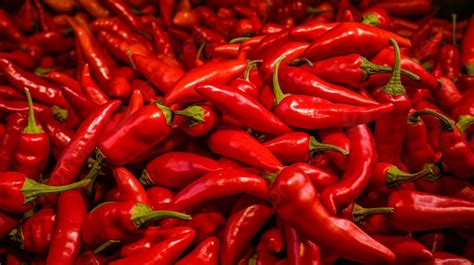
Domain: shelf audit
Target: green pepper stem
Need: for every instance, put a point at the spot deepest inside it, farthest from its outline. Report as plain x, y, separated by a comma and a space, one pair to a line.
279, 96
394, 86
145, 179
238, 40
300, 61
16, 235
395, 176
167, 112
200, 50
315, 11
32, 127
250, 65
42, 71
359, 213
143, 214
464, 122
59, 113
369, 68
446, 123
32, 189
106, 245
315, 146
194, 113
130, 58
370, 19
270, 177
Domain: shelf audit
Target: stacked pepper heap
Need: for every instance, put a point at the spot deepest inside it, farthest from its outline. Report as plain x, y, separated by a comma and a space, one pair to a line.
235, 132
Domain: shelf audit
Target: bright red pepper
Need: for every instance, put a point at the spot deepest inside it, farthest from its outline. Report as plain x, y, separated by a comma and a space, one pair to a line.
79, 103
7, 223
449, 60
320, 178
467, 48
410, 8
272, 241
207, 252
406, 249
416, 151
129, 187
446, 94
196, 120
35, 233
91, 89
377, 17
301, 251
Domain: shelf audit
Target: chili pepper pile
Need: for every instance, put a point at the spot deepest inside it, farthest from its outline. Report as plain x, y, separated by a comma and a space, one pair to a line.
236, 132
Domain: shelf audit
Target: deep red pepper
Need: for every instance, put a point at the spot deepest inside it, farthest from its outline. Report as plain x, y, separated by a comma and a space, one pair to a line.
245, 84
11, 106
320, 178
23, 59
32, 150
449, 60
119, 85
416, 150
45, 20
377, 17
15, 122
308, 112
248, 216
406, 249
121, 48
467, 48
160, 198
19, 192
26, 18
300, 250
7, 223
177, 169
207, 252
311, 30
215, 72
62, 79
9, 93
127, 218
298, 80
123, 10
411, 8
79, 103
351, 37
162, 41
428, 48
91, 89
221, 183
35, 233
241, 146
418, 211
51, 41
59, 135
271, 241
120, 28
446, 94
129, 187
335, 136
196, 120
292, 191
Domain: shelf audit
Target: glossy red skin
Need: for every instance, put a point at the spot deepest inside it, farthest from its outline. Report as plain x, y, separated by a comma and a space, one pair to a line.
91, 89
241, 146
360, 163
148, 92
311, 30
386, 57
161, 39
207, 35
242, 108
297, 80
292, 191
11, 106
247, 218
7, 223
207, 252
37, 231
138, 133
418, 211
164, 252
320, 178
449, 59
120, 48
458, 158
464, 107
467, 46
80, 104
120, 83
269, 41
8, 28
382, 16
213, 72
129, 187
59, 135
432, 123
26, 16
82, 145
306, 112
179, 169
414, 8
290, 49
51, 41
200, 129
31, 154
447, 95
337, 137
272, 241
416, 151
406, 249
124, 11
120, 28
9, 93
301, 251
20, 58
219, 184
15, 123
290, 148
429, 48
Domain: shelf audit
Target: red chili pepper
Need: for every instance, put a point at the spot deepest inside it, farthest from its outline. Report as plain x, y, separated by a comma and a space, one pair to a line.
308, 112
292, 191
166, 10
120, 28
129, 187
15, 122
446, 94
299, 250
9, 93
411, 8
220, 183
79, 103
351, 37
127, 218
32, 148
467, 48
7, 223
245, 111
248, 216
177, 169
51, 41
62, 79
428, 48
216, 72
23, 59
22, 106
120, 48
164, 252
9, 29
300, 80
123, 10
66, 241
272, 241
161, 39
207, 252
160, 198
240, 146
35, 233
19, 191
119, 85
91, 89
418, 211
297, 147
416, 150
320, 178
406, 249
59, 136
122, 146
76, 153
44, 19
196, 120
449, 56
377, 17
90, 258
26, 18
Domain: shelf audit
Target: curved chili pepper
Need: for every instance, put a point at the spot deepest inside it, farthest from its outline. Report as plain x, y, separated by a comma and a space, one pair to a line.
244, 109
26, 18
22, 106
127, 217
299, 80
299, 250
297, 147
44, 19
416, 150
62, 79
79, 103
248, 216
76, 153
207, 252
121, 146
406, 249
7, 223
241, 146
449, 59
271, 241
308, 112
196, 120
446, 94
320, 178
160, 198
129, 187
292, 191
220, 183
123, 10
162, 73
20, 192
66, 241
418, 211
351, 37
35, 233
32, 148
90, 258
356, 69
9, 93
20, 58
9, 29
91, 89
16, 121
164, 252
120, 48
215, 72
177, 169
119, 28
458, 158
